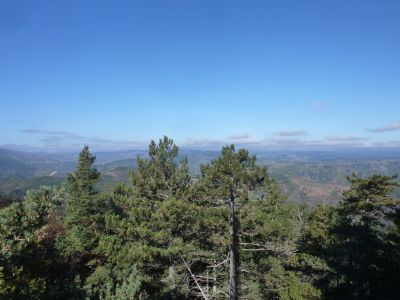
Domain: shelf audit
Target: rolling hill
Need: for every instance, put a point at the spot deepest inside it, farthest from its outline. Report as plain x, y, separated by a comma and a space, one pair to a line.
312, 177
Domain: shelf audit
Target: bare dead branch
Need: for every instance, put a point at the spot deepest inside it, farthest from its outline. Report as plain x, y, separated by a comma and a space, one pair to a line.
194, 278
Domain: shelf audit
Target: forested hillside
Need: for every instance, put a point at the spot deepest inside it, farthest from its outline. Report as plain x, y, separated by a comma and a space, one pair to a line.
228, 232
311, 177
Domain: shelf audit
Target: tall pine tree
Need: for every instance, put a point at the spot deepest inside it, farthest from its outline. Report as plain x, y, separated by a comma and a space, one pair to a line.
229, 181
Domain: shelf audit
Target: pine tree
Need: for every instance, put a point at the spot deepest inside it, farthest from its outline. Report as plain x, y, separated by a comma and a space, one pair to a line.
29, 267
161, 217
81, 184
161, 176
229, 181
83, 219
360, 250
82, 211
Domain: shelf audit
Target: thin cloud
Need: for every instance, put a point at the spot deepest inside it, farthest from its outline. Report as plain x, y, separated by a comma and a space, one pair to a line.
76, 137
204, 143
59, 132
51, 140
296, 132
101, 141
346, 139
65, 139
320, 105
239, 136
217, 143
390, 127
388, 144
311, 144
31, 130
286, 142
53, 133
19, 121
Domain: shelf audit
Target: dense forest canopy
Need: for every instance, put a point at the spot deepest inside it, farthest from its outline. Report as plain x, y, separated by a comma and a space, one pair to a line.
229, 233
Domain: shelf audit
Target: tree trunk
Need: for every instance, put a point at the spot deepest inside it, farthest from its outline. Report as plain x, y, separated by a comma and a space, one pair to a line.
233, 253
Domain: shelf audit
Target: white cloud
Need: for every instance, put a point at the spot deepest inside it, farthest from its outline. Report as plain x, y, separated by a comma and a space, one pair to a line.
390, 127
239, 136
296, 132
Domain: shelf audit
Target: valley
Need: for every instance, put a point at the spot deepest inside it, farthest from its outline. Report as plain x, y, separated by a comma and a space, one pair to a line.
310, 177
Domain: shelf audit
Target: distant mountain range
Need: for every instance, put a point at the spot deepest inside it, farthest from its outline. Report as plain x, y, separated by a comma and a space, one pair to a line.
310, 176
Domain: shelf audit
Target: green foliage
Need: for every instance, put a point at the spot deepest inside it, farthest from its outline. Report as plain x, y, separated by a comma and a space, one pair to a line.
233, 172
267, 226
27, 234
106, 283
317, 235
83, 207
84, 222
360, 250
166, 234
160, 177
286, 285
270, 234
354, 240
148, 226
81, 183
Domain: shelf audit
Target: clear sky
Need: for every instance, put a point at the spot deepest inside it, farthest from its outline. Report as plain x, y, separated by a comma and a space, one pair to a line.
115, 74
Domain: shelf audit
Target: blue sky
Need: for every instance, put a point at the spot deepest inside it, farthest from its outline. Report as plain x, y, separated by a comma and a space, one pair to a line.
266, 74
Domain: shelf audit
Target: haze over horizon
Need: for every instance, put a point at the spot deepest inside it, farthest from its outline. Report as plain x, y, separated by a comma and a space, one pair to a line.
282, 75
